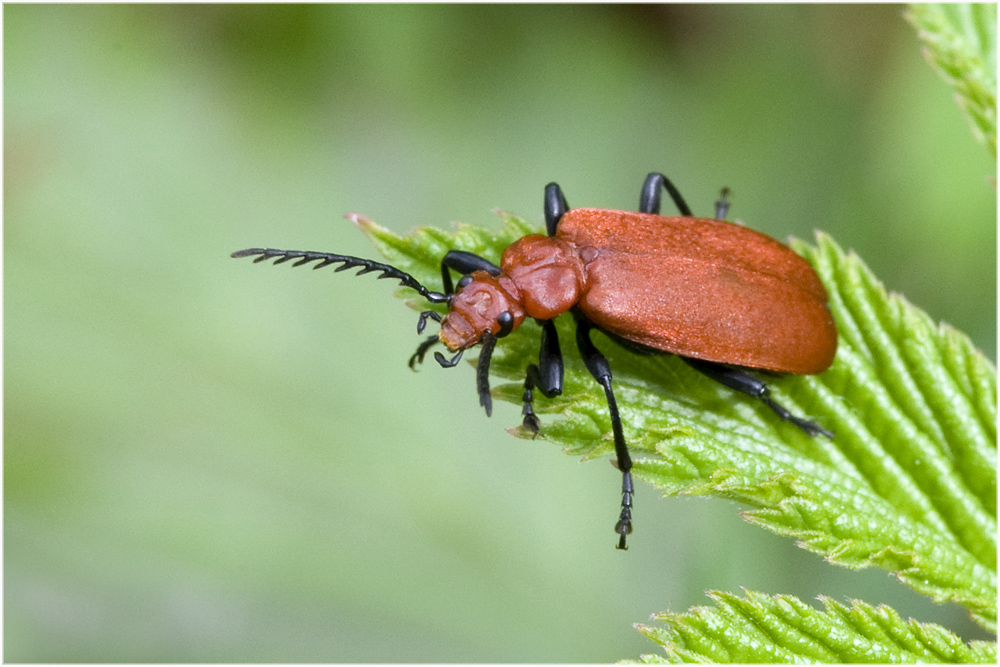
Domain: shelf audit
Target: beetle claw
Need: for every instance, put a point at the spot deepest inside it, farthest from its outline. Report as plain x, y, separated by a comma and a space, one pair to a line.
624, 529
531, 423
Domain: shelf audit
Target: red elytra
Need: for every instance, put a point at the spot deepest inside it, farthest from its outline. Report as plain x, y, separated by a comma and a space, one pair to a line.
724, 298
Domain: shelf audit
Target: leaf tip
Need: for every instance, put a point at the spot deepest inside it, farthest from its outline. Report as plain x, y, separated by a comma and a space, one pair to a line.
365, 224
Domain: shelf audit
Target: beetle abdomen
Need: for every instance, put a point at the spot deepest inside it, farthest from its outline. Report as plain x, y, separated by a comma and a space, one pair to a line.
702, 288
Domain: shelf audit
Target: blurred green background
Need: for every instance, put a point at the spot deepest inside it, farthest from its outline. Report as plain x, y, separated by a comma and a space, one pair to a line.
207, 460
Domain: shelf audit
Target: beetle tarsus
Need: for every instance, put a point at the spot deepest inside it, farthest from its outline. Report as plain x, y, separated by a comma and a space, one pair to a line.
807, 425
418, 356
422, 322
624, 525
722, 205
531, 423
744, 382
447, 363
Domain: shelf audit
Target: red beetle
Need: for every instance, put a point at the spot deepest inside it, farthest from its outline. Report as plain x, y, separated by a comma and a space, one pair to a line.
722, 297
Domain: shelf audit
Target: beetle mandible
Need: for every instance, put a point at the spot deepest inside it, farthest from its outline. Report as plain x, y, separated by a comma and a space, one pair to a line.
723, 297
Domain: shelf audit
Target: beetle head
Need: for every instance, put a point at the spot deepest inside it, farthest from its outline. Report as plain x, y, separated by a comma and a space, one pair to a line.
482, 305
483, 309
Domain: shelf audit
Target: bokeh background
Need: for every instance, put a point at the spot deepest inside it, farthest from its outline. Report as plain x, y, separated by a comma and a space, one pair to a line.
207, 460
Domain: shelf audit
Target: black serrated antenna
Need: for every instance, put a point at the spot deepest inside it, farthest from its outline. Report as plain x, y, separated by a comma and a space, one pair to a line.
347, 261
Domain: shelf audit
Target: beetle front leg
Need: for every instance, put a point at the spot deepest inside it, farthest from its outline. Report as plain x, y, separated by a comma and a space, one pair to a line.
547, 376
418, 356
598, 366
464, 263
741, 380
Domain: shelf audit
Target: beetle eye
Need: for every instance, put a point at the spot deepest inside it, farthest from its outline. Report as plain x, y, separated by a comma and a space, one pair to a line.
506, 322
464, 280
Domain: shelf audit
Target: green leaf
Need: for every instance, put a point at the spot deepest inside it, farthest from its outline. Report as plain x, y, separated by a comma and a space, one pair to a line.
908, 484
764, 629
960, 43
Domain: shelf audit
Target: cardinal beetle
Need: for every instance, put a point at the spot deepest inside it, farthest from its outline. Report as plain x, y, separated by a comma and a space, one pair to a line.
724, 298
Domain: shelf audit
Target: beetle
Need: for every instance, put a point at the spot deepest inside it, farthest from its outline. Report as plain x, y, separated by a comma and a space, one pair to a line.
724, 298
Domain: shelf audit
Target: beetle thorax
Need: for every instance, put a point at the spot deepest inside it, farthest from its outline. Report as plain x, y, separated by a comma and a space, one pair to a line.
475, 307
548, 273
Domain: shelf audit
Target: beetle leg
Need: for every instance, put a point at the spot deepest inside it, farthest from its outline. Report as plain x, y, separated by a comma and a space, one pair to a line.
418, 356
422, 322
741, 380
547, 376
555, 206
464, 263
467, 262
722, 205
447, 363
649, 200
489, 341
598, 366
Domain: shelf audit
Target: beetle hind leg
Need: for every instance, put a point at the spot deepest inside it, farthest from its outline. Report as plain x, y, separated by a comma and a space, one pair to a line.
807, 425
743, 381
722, 204
649, 199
